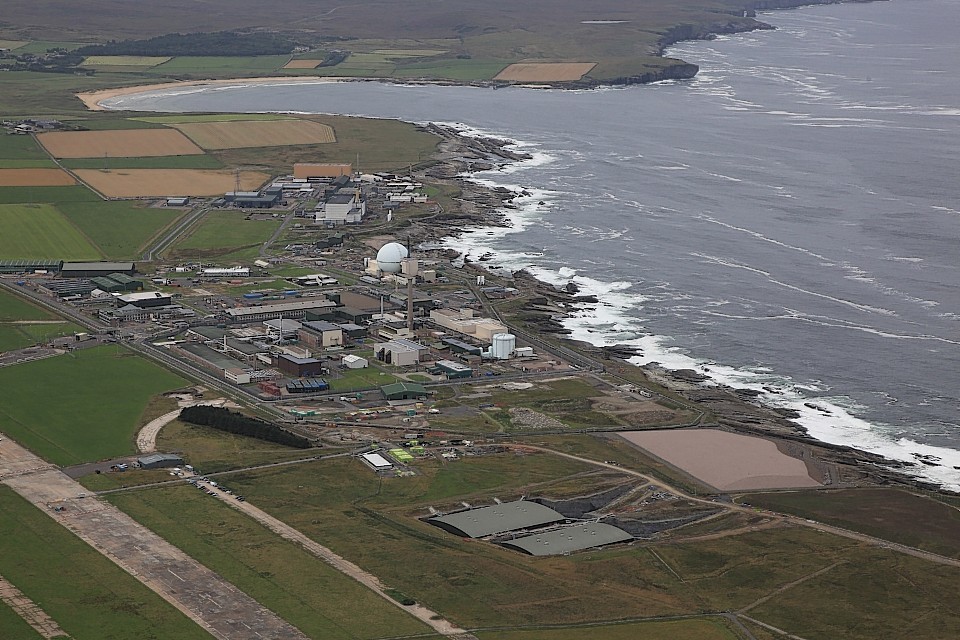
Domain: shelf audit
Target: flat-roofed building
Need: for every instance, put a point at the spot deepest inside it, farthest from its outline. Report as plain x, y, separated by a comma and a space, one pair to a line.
466, 322
400, 352
94, 269
377, 461
586, 535
319, 333
145, 299
452, 370
297, 309
499, 518
299, 367
159, 461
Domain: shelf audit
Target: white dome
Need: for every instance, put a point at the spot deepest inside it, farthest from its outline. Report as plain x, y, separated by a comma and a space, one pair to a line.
389, 257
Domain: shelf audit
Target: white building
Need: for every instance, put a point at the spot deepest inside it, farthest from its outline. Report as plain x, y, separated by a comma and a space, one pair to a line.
463, 321
342, 208
351, 361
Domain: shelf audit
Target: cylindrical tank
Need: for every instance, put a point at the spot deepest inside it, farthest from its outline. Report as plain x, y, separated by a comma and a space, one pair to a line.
503, 345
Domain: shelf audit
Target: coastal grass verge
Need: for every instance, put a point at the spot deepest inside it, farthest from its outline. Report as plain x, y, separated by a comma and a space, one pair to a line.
101, 394
889, 514
281, 575
83, 591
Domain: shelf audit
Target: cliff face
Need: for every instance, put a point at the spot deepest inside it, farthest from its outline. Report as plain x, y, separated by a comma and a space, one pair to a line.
678, 71
706, 31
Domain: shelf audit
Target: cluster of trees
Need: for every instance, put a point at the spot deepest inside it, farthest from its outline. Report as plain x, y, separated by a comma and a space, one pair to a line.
219, 43
237, 423
53, 61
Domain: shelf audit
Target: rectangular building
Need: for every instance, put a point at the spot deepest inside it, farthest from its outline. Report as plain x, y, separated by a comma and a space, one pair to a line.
320, 334
299, 367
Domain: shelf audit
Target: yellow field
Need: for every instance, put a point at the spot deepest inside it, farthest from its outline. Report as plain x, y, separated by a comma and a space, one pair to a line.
545, 71
256, 133
35, 178
129, 143
12, 44
160, 183
302, 64
124, 61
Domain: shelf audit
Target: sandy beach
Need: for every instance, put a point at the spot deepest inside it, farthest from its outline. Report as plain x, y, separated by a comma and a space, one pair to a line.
727, 461
92, 99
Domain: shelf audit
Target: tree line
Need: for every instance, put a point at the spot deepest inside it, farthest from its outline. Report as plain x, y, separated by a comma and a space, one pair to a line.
239, 424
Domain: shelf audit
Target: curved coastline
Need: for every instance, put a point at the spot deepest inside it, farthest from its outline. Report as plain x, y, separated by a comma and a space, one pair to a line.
847, 452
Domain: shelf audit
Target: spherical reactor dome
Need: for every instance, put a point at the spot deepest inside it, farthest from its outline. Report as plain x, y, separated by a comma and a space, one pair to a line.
389, 257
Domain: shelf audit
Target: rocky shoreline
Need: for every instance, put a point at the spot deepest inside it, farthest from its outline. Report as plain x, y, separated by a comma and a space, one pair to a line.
737, 410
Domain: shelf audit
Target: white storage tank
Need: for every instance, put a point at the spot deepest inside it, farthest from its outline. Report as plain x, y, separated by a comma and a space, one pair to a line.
503, 345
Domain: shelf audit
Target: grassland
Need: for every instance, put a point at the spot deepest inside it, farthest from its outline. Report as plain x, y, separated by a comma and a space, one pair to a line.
47, 195
124, 61
13, 307
85, 593
121, 229
100, 392
214, 66
40, 231
703, 629
225, 232
14, 627
317, 599
211, 451
354, 379
211, 117
160, 162
891, 514
18, 336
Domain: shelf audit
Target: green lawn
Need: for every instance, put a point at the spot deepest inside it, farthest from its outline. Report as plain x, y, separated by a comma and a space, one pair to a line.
39, 231
16, 308
86, 594
224, 232
304, 590
100, 396
120, 229
465, 70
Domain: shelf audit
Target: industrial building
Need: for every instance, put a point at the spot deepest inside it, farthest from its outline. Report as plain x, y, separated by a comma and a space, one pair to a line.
319, 333
226, 272
116, 282
400, 352
376, 461
587, 535
452, 370
159, 461
403, 391
30, 266
94, 269
499, 518
459, 346
343, 207
464, 321
297, 309
283, 328
145, 299
351, 361
299, 367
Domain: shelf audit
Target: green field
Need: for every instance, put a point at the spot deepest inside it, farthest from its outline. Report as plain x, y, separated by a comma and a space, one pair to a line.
354, 379
213, 117
14, 307
304, 590
120, 229
464, 70
210, 450
18, 336
124, 61
224, 232
39, 231
890, 514
86, 594
703, 629
14, 627
159, 162
101, 394
48, 195
20, 148
224, 65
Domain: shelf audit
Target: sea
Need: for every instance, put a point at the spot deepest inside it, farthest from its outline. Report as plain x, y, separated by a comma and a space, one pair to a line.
788, 221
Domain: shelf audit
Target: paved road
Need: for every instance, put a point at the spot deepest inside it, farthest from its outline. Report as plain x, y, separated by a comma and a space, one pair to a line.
202, 595
439, 625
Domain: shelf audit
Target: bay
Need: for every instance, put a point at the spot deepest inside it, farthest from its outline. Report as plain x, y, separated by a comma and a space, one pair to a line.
789, 220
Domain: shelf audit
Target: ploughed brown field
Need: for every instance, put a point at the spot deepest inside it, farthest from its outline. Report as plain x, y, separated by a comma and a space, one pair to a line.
139, 183
128, 143
302, 64
727, 461
35, 178
257, 133
545, 71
